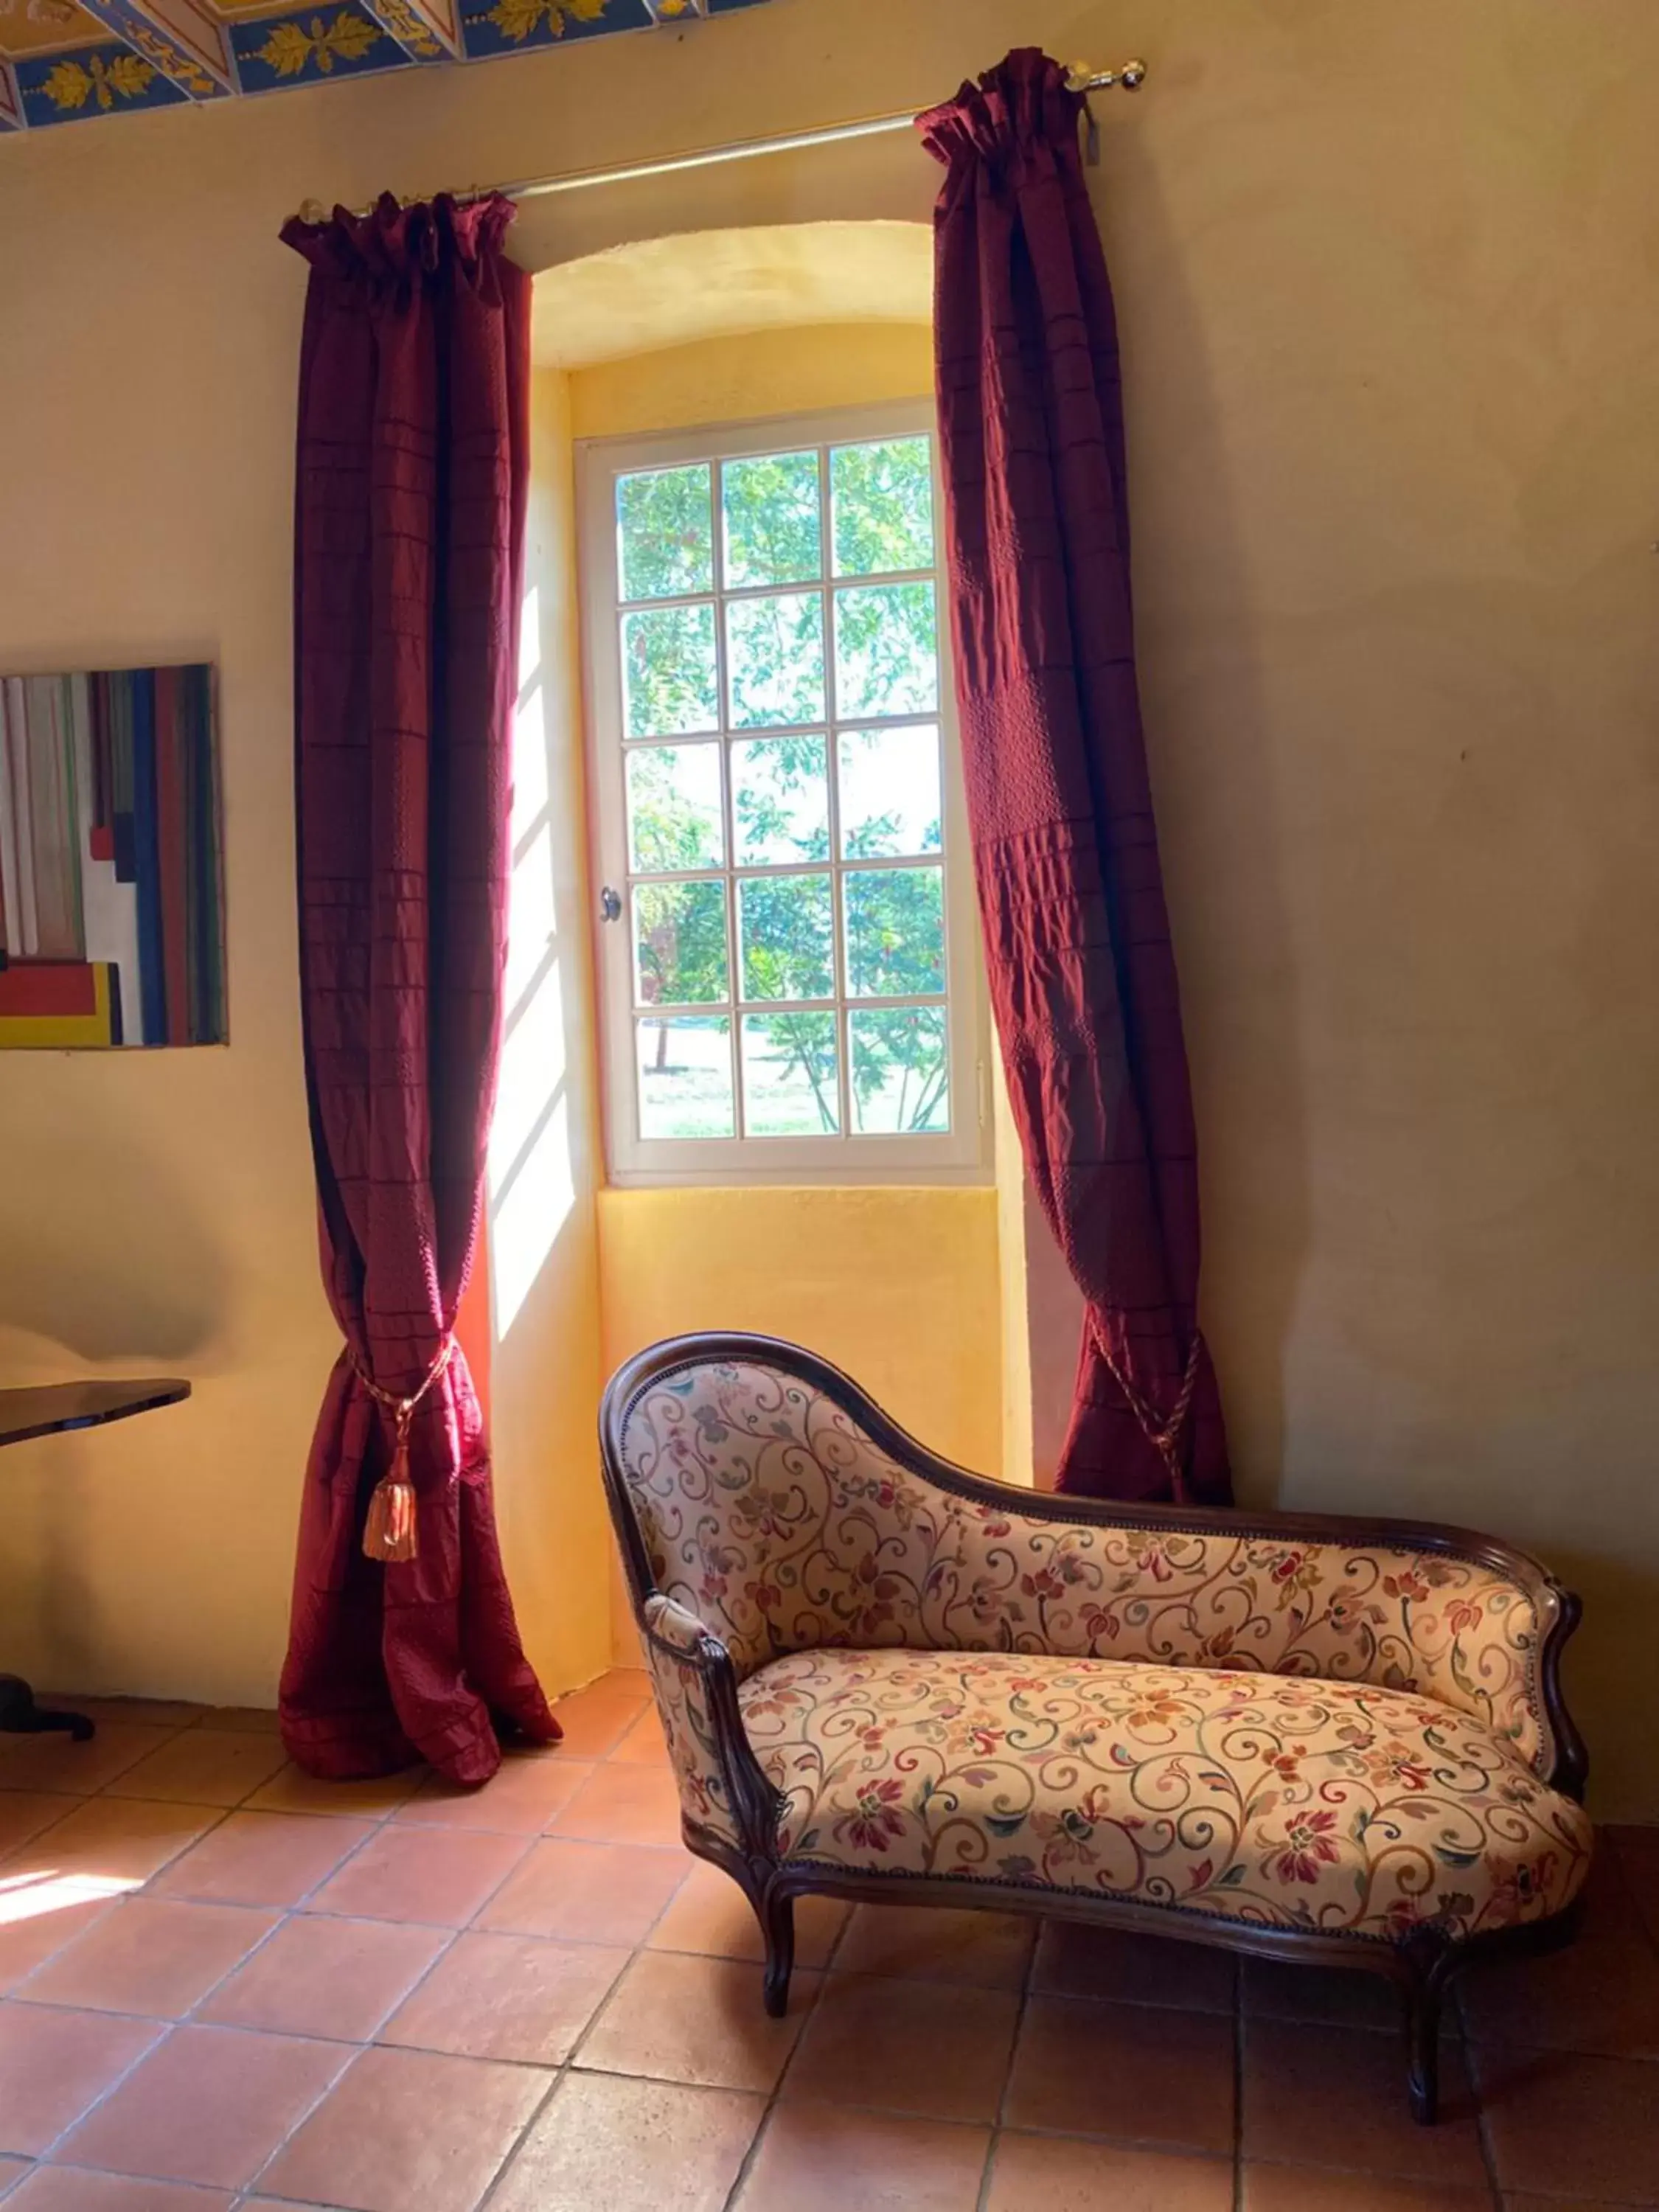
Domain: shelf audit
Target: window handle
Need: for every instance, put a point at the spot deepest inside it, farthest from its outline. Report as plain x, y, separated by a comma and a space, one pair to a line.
610, 905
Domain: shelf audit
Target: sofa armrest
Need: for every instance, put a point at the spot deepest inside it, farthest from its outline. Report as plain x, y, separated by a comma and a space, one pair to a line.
723, 1794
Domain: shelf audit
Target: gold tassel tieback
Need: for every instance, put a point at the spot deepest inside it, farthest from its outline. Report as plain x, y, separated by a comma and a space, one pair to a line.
1164, 1436
391, 1533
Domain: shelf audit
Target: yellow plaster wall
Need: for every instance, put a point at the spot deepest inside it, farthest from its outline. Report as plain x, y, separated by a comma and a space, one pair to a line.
767, 372
1384, 276
655, 293
898, 1286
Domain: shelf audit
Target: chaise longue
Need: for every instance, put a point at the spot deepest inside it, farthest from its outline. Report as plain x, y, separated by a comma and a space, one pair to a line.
884, 1678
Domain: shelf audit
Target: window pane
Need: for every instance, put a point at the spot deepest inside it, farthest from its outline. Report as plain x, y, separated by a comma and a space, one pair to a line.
679, 943
883, 498
663, 533
901, 1071
774, 534
776, 651
674, 808
891, 800
787, 928
780, 800
886, 650
895, 932
790, 1084
686, 1076
669, 672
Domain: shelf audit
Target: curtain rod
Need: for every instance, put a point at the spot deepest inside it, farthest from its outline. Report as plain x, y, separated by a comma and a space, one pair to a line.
1080, 78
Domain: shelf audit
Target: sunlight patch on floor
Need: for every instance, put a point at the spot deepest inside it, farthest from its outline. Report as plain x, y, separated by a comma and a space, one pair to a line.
44, 1889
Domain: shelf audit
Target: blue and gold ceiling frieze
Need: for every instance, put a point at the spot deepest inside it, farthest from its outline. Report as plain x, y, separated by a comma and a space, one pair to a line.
108, 79
428, 31
514, 27
117, 54
186, 41
339, 39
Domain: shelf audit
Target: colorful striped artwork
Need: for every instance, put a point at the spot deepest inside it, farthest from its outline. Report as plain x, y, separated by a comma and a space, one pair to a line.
112, 883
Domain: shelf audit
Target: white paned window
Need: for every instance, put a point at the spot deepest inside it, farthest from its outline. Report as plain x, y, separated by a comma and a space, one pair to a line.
788, 943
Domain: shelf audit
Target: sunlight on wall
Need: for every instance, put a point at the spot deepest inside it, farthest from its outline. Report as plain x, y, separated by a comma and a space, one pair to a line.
543, 1154
531, 1177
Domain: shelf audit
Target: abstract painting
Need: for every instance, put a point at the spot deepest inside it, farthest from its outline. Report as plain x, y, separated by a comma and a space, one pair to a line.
112, 883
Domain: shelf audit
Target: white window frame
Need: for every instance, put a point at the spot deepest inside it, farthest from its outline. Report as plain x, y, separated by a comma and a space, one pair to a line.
963, 1155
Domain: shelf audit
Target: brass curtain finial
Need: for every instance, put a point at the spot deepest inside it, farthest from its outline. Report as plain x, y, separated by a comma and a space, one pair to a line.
1083, 77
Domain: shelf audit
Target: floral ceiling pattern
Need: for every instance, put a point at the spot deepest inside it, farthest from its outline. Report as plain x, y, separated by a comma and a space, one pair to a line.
67, 61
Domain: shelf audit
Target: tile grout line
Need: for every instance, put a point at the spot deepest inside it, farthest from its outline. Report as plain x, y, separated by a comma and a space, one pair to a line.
1238, 2085
639, 1951
561, 2074
1482, 2128
377, 1825
568, 2065
85, 1797
466, 1926
763, 2127
150, 2049
169, 2027
999, 2116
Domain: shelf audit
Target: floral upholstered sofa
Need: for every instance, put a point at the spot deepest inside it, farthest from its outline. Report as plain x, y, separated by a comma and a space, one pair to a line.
884, 1678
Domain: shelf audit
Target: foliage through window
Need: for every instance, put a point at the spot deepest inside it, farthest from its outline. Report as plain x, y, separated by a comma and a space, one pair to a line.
785, 966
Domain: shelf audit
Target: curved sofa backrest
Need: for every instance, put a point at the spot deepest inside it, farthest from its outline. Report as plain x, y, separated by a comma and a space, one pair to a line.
766, 1510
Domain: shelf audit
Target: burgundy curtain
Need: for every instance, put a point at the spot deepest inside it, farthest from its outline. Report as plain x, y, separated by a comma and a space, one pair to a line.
413, 461
1077, 940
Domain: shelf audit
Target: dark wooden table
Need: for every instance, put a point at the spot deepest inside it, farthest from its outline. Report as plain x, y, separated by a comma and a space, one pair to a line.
48, 1412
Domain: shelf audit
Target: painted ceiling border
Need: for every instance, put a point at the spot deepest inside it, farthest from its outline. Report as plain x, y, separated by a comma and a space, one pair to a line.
162, 53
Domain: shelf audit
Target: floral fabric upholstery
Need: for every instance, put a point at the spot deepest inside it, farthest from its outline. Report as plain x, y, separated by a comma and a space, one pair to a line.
771, 1515
673, 1644
1321, 1806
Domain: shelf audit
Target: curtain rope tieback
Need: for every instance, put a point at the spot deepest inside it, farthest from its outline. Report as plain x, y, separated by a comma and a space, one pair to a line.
1164, 1436
390, 1532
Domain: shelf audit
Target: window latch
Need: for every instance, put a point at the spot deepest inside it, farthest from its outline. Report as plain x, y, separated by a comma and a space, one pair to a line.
610, 905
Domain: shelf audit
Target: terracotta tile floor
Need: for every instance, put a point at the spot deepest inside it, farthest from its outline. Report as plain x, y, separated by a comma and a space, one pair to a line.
223, 1985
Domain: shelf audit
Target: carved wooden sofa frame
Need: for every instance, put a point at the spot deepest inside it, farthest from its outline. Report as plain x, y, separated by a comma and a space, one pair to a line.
731, 1811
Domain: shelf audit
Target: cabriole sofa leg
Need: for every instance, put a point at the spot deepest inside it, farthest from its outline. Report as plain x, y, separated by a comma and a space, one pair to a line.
1430, 1961
777, 1920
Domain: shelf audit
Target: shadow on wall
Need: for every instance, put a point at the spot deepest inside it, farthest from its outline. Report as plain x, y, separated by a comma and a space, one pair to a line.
1197, 640
53, 1599
124, 1265
1619, 1606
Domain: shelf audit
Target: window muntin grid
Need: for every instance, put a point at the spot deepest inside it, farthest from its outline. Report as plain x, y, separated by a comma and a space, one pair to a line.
795, 639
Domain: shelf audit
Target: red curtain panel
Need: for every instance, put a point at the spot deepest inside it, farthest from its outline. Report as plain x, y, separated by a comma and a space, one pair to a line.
1077, 940
413, 465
